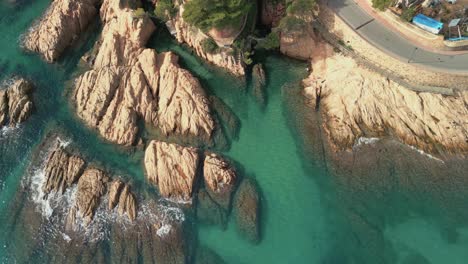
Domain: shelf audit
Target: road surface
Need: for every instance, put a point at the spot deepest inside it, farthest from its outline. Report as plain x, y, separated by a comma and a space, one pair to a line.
385, 39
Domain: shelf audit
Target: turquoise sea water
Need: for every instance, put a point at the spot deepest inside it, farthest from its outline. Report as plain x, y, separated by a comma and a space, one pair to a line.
392, 205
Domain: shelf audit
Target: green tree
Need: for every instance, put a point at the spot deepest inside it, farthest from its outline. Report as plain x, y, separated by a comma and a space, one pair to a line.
408, 14
164, 10
381, 4
270, 42
301, 7
139, 13
209, 45
207, 14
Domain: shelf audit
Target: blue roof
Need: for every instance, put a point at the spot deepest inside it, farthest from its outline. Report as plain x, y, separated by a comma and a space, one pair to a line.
427, 21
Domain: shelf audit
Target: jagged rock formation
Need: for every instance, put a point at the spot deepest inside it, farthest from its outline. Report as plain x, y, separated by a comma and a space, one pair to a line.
61, 24
220, 179
91, 186
15, 102
356, 102
247, 210
61, 171
172, 168
128, 82
193, 37
120, 196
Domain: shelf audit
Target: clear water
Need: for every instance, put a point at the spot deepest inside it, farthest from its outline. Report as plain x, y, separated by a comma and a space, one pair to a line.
308, 212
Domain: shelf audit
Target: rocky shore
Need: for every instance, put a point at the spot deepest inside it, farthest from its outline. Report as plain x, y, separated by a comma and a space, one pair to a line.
357, 103
129, 82
192, 36
61, 25
16, 102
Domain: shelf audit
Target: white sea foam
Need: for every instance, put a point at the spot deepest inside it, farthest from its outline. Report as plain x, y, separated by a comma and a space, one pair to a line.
365, 141
177, 200
8, 130
164, 230
424, 153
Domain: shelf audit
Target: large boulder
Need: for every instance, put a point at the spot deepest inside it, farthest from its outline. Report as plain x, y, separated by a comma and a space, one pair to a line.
128, 81
172, 168
220, 179
61, 171
15, 102
121, 197
59, 27
91, 186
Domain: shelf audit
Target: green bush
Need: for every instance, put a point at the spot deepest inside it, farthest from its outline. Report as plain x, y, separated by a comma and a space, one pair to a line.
292, 23
207, 14
408, 14
139, 13
209, 46
270, 42
301, 7
381, 4
165, 10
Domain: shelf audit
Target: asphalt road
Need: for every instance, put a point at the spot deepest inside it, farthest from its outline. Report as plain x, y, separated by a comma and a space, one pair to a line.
385, 39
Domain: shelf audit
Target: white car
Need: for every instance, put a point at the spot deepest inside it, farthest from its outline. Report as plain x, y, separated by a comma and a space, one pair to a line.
451, 1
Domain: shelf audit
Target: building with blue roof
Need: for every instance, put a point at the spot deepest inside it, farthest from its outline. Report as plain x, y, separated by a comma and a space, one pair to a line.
428, 24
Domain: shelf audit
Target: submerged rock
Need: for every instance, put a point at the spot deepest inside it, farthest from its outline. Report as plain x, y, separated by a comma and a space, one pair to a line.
59, 27
247, 210
210, 212
61, 171
356, 102
259, 83
128, 81
220, 179
172, 168
15, 102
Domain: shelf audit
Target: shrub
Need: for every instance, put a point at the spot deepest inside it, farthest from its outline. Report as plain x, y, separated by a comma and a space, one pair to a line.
381, 4
164, 10
209, 46
207, 14
301, 7
291, 23
270, 42
408, 14
139, 13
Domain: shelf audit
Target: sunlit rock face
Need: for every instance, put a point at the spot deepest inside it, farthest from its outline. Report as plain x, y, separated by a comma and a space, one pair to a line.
16, 103
129, 82
359, 103
59, 27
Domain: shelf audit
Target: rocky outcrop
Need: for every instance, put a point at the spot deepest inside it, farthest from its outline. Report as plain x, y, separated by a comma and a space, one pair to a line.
15, 102
272, 12
220, 179
59, 27
299, 44
128, 82
61, 171
193, 37
356, 102
121, 197
247, 210
91, 186
172, 168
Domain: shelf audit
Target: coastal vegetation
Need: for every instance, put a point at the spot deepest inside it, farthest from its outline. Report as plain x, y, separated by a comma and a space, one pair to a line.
209, 46
381, 4
165, 10
207, 14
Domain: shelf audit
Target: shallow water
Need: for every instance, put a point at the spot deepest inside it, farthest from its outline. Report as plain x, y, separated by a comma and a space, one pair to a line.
309, 214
